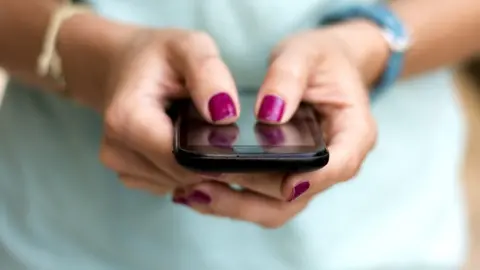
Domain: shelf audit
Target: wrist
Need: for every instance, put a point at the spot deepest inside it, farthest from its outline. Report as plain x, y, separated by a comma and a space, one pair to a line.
87, 45
365, 46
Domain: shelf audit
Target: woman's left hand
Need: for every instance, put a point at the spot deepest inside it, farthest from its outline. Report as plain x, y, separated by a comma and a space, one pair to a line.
318, 67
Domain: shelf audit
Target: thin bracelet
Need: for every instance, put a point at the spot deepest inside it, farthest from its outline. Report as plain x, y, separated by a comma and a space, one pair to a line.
49, 63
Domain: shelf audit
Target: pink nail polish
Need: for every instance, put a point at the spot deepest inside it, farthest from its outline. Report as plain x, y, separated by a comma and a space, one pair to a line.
271, 109
179, 200
199, 197
221, 106
298, 190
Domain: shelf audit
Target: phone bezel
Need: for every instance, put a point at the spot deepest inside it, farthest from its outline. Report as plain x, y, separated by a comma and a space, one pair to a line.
251, 158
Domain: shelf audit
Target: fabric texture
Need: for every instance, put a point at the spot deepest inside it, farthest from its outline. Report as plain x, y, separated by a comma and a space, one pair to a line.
61, 209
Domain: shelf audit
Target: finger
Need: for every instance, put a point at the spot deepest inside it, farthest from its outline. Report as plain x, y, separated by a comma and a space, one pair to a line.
208, 79
267, 184
352, 135
283, 87
135, 182
141, 124
219, 199
122, 160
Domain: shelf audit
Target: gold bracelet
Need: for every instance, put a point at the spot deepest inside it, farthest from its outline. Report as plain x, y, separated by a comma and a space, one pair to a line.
49, 63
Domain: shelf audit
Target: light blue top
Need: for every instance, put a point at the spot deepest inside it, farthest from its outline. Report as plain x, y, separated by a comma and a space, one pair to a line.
60, 209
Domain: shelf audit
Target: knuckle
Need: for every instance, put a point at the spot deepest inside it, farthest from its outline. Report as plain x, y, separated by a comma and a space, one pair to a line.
114, 121
130, 182
206, 64
272, 223
285, 71
276, 221
241, 213
196, 40
282, 207
245, 212
201, 54
108, 158
352, 167
201, 39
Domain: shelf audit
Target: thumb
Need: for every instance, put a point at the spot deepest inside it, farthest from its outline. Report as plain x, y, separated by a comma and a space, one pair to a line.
283, 87
208, 80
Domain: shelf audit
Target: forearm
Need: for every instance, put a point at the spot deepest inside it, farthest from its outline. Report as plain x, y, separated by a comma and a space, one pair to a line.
84, 41
442, 33
22, 27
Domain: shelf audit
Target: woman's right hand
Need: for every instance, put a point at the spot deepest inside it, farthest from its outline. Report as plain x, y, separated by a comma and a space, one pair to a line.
152, 68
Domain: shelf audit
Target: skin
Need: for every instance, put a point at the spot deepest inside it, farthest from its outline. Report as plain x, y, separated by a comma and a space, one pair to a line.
128, 74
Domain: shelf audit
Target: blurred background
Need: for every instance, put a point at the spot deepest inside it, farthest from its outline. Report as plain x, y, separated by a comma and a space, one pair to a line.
468, 82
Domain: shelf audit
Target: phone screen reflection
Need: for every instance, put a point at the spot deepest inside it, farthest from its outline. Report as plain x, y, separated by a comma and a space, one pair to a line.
248, 132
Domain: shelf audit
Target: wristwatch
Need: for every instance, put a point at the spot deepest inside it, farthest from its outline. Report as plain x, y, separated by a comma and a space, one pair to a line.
393, 31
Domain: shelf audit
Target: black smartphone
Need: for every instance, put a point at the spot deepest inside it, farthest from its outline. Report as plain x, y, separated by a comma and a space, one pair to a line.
247, 145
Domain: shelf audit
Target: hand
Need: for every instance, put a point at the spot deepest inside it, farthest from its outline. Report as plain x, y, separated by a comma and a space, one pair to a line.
316, 67
151, 68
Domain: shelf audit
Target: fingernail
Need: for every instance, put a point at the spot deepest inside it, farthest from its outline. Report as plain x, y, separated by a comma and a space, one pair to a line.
272, 109
298, 190
221, 106
199, 197
180, 200
221, 139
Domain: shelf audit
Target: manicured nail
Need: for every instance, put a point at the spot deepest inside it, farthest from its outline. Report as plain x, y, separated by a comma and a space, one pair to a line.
221, 106
221, 139
180, 200
298, 190
199, 197
272, 109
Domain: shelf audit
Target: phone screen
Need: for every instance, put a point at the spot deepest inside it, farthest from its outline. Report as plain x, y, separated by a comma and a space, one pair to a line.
301, 134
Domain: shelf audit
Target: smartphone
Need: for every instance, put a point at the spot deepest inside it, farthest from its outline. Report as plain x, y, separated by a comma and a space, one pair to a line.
247, 145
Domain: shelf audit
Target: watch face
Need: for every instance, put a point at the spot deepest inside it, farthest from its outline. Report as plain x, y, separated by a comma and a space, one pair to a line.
398, 44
